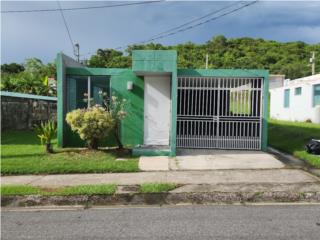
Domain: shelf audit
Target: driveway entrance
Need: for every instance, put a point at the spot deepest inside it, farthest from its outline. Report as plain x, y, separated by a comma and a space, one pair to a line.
220, 113
200, 159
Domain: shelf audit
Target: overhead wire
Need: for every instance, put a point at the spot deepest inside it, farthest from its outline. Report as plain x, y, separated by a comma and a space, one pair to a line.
82, 8
179, 28
195, 25
67, 27
169, 32
197, 19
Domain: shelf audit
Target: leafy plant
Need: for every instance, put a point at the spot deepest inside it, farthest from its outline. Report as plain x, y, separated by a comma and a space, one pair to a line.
25, 82
12, 68
92, 124
117, 108
46, 132
31, 78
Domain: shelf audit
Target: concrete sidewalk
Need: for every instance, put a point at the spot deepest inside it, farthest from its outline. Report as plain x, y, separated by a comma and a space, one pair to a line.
268, 176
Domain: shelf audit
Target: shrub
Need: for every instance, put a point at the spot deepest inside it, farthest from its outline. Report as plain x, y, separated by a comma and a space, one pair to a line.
46, 132
92, 124
117, 108
25, 82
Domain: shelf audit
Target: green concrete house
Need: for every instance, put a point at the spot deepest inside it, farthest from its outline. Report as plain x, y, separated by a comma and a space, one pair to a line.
170, 108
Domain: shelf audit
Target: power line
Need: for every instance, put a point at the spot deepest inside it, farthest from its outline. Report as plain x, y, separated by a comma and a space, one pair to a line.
169, 31
81, 8
67, 27
195, 25
197, 19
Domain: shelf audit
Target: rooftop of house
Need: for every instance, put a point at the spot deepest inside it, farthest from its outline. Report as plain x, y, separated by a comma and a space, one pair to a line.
305, 80
277, 77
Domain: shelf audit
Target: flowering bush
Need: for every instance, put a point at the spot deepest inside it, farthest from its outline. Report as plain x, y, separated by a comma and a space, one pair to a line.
117, 108
92, 124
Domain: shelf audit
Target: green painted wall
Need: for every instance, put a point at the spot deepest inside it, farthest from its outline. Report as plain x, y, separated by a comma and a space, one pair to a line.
173, 134
148, 62
60, 116
151, 61
24, 95
132, 126
265, 118
223, 72
86, 71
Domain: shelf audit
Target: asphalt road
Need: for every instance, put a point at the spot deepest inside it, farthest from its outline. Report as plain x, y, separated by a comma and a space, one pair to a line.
177, 222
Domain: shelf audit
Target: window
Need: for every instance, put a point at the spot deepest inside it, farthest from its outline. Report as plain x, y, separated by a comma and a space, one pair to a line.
286, 98
297, 91
316, 95
81, 88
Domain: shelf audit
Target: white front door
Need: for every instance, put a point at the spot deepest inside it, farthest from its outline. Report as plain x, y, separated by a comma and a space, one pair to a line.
157, 110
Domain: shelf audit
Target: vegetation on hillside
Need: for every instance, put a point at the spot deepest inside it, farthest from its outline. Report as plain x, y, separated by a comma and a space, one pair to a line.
291, 58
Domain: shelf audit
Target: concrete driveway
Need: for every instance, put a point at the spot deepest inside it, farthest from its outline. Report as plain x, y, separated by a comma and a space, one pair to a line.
202, 159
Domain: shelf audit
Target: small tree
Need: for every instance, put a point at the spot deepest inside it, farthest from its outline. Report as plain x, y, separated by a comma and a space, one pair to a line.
117, 108
92, 124
46, 131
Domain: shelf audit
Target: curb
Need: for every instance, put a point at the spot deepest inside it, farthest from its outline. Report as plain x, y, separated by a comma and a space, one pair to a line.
168, 198
293, 161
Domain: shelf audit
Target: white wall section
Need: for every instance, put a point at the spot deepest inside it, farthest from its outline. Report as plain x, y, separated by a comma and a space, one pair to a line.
301, 107
157, 110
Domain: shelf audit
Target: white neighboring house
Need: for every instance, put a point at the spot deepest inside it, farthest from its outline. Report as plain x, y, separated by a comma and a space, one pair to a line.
297, 100
276, 80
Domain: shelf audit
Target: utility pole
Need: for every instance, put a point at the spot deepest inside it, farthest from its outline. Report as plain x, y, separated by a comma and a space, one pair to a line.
313, 63
77, 51
207, 58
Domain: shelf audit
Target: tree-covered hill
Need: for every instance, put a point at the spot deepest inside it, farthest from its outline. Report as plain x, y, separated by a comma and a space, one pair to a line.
291, 58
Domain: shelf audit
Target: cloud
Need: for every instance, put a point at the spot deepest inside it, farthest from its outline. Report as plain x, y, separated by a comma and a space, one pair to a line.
43, 35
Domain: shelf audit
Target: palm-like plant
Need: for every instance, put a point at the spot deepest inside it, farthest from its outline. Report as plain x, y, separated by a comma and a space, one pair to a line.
46, 131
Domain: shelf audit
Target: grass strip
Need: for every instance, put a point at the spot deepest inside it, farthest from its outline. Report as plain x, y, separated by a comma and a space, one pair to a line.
157, 187
8, 190
88, 190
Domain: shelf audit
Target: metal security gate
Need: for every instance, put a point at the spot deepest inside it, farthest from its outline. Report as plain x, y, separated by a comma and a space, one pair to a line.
223, 113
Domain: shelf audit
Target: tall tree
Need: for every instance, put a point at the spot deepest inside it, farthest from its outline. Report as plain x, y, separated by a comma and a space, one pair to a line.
12, 68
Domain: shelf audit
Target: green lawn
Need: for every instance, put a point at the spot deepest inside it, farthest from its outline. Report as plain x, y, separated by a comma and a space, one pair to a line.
291, 137
21, 153
13, 190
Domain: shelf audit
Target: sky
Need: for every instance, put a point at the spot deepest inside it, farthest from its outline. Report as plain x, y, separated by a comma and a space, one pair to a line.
43, 34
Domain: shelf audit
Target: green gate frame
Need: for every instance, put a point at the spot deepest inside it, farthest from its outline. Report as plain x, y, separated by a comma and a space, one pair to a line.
253, 73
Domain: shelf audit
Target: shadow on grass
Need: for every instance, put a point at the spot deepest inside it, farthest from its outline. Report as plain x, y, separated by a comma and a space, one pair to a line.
22, 155
115, 152
119, 153
16, 137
